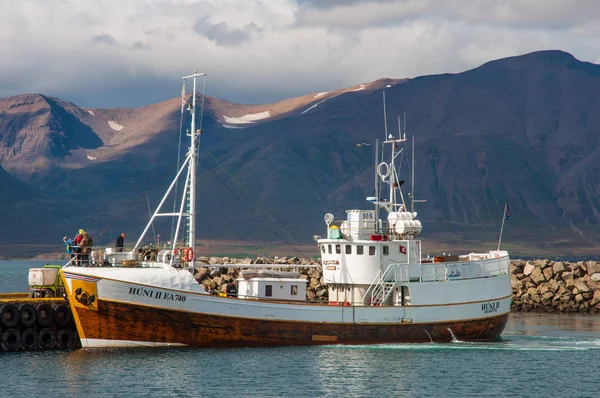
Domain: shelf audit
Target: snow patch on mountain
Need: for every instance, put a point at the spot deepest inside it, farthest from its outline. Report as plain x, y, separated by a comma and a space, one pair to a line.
115, 126
321, 94
248, 118
362, 87
313, 107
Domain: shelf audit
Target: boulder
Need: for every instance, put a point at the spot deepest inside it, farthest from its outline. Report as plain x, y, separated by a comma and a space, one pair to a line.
209, 282
583, 288
515, 283
558, 266
215, 260
537, 276
528, 269
547, 295
593, 267
596, 277
548, 273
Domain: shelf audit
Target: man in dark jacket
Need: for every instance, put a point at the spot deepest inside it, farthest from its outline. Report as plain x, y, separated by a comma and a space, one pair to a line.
120, 242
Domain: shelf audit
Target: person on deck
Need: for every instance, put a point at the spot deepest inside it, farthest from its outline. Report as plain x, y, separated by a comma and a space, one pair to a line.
85, 245
231, 289
69, 247
76, 249
120, 242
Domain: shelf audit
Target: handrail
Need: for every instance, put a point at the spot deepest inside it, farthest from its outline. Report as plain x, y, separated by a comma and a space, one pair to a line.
371, 286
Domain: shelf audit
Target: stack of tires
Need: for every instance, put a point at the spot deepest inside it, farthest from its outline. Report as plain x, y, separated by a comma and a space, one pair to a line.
37, 325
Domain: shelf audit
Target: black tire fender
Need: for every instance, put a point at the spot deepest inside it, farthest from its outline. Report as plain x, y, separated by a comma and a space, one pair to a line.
11, 339
65, 338
29, 339
47, 339
62, 315
27, 315
45, 314
9, 315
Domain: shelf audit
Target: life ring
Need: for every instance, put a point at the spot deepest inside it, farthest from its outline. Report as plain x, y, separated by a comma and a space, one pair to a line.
47, 339
27, 315
189, 254
11, 339
29, 339
9, 315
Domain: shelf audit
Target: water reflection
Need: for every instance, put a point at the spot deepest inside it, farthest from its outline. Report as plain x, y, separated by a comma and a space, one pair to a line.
566, 325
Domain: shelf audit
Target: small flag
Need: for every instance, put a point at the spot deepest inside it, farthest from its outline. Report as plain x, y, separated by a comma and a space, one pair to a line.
507, 212
402, 249
182, 98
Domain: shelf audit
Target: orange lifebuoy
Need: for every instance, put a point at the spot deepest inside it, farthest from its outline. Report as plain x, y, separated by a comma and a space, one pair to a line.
189, 254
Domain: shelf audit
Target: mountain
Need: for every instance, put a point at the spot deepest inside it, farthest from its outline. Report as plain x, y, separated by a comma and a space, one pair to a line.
521, 129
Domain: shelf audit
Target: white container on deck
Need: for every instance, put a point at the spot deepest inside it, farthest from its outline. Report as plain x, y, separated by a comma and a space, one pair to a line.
42, 276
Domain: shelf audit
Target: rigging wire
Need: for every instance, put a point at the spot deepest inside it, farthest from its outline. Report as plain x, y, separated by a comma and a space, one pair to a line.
248, 208
262, 208
139, 198
150, 212
178, 160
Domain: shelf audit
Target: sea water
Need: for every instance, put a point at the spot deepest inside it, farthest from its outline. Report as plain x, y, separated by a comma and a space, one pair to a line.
539, 355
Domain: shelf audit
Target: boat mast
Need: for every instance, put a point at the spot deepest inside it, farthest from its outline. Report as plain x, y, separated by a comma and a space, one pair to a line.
193, 154
189, 190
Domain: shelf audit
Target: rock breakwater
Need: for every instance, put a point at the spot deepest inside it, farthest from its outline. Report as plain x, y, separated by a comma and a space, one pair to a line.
537, 286
555, 286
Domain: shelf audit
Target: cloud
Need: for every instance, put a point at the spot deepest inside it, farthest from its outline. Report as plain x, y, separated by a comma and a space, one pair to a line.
267, 50
106, 39
222, 34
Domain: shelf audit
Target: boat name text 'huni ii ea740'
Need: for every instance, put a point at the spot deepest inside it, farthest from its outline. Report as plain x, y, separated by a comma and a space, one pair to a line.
380, 288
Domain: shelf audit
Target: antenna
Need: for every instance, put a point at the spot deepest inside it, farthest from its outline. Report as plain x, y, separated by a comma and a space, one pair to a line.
376, 183
412, 188
385, 137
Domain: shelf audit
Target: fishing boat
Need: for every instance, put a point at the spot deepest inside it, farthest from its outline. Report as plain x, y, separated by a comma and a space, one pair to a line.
381, 289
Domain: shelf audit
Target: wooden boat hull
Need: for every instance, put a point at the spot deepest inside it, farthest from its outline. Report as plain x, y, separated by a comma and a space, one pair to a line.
124, 324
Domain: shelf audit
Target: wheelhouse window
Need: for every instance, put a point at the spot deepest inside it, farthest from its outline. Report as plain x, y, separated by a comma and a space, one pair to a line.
329, 248
359, 249
386, 250
371, 250
338, 249
323, 248
348, 249
268, 290
294, 290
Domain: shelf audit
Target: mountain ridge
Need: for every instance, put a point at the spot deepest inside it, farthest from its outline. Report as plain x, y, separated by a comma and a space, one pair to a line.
521, 129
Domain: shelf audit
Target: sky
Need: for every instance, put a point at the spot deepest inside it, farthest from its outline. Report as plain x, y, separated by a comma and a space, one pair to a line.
116, 53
